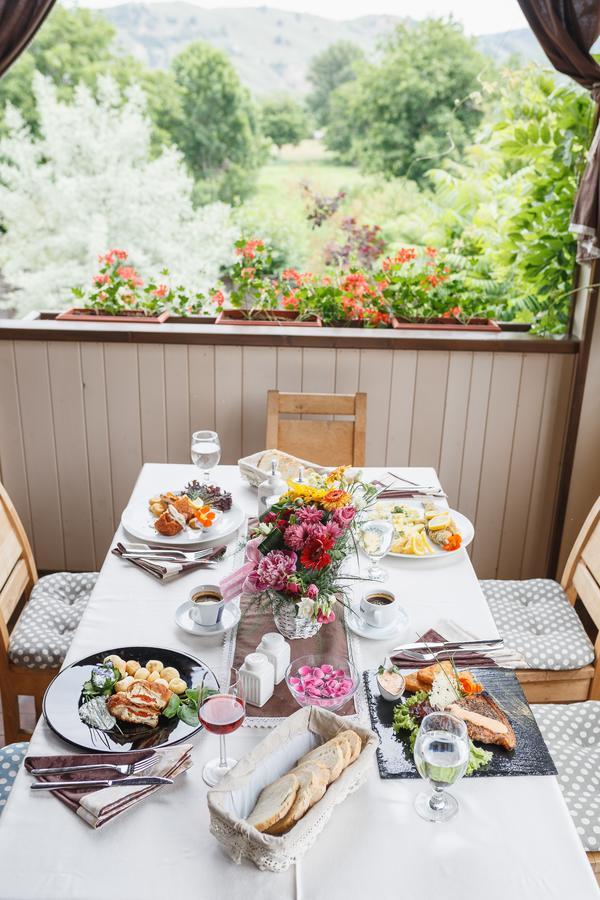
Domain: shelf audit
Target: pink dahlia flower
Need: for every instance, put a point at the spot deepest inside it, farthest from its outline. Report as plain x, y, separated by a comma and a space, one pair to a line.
294, 537
309, 515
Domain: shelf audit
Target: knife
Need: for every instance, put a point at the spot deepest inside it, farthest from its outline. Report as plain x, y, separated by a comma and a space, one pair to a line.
449, 645
113, 782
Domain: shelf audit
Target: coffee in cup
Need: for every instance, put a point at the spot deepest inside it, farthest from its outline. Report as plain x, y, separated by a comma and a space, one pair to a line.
206, 605
379, 608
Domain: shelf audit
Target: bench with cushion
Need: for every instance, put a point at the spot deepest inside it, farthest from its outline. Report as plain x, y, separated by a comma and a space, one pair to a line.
11, 759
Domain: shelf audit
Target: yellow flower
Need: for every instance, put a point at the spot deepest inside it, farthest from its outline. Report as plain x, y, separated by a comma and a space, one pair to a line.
303, 492
335, 499
337, 474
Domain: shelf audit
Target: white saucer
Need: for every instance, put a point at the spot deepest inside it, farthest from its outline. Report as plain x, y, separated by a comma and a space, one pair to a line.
229, 618
357, 624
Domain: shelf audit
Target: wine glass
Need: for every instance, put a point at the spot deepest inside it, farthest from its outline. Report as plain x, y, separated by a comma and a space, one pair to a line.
206, 451
221, 714
376, 539
441, 756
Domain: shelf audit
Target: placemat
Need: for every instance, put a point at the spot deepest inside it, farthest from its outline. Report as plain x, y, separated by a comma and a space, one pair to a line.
531, 756
329, 641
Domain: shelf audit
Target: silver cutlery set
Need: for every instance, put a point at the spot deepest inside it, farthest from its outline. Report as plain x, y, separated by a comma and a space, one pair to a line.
130, 772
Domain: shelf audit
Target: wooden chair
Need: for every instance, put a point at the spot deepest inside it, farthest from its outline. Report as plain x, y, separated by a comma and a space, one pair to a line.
37, 620
18, 574
323, 441
581, 584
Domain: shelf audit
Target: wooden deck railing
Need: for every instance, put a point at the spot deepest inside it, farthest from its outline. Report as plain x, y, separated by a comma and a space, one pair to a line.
83, 406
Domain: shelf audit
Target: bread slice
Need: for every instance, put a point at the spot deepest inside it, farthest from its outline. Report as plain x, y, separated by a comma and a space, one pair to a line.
344, 743
355, 743
329, 755
319, 781
274, 802
307, 779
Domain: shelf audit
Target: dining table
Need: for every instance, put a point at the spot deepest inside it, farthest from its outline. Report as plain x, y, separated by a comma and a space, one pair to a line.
512, 838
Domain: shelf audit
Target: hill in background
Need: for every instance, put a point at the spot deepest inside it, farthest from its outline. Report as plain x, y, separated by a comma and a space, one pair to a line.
270, 48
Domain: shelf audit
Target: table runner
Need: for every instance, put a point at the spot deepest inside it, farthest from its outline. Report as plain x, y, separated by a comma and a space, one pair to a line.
330, 640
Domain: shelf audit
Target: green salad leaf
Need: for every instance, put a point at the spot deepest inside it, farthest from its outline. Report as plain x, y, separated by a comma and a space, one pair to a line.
405, 721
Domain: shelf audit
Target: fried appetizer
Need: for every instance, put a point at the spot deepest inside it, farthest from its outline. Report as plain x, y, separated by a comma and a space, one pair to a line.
168, 525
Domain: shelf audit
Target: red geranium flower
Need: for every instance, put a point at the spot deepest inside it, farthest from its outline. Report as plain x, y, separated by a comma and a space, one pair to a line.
314, 555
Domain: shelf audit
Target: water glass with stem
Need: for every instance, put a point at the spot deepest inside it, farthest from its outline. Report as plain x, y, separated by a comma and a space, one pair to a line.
206, 451
441, 756
376, 537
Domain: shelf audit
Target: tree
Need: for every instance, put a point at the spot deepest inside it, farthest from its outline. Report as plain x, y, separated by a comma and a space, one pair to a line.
283, 120
215, 124
87, 183
72, 47
329, 69
419, 103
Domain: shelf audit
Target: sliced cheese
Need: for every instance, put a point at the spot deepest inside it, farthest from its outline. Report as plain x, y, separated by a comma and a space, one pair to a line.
467, 715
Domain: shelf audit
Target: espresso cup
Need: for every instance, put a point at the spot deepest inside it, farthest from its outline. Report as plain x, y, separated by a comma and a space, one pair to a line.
379, 608
206, 605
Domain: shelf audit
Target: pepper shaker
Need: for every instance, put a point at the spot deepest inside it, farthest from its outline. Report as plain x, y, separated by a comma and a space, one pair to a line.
277, 650
257, 678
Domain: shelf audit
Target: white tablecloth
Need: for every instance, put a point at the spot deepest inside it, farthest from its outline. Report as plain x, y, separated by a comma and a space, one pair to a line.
513, 836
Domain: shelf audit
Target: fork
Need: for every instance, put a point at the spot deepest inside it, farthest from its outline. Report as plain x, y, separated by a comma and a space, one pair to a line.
133, 768
132, 552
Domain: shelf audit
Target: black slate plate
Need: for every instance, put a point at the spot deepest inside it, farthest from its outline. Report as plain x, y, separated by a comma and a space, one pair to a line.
62, 699
531, 756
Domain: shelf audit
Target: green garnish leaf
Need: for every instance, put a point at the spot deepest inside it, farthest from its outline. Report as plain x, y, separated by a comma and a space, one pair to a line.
172, 706
188, 714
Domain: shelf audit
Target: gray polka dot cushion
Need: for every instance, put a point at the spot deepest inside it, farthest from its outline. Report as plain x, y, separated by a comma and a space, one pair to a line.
43, 633
536, 619
11, 758
572, 734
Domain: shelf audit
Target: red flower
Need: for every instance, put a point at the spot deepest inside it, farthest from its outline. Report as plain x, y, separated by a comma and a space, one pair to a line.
405, 254
431, 251
292, 275
314, 555
218, 298
248, 272
455, 312
128, 273
161, 291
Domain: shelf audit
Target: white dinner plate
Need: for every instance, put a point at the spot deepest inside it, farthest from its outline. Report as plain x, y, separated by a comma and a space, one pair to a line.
357, 624
464, 525
138, 521
229, 618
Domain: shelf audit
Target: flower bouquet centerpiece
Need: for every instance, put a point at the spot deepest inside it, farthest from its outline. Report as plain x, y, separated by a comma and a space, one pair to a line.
297, 549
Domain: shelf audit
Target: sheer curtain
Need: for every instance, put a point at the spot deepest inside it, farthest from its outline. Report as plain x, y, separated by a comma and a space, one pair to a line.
566, 30
19, 21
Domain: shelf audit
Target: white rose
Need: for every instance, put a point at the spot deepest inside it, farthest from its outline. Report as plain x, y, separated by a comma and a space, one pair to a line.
306, 607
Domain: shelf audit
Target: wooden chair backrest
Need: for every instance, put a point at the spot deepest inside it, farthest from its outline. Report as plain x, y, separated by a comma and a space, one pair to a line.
581, 579
18, 573
328, 442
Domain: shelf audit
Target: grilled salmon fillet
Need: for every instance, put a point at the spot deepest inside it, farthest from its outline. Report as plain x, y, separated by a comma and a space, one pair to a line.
484, 705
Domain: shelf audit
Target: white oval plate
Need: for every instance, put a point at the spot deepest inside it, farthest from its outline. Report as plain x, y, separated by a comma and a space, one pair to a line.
138, 521
464, 525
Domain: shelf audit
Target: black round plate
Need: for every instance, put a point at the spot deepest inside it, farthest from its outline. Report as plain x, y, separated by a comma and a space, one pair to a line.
62, 700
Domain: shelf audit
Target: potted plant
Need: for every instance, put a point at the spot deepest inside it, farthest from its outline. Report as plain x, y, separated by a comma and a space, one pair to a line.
423, 291
257, 297
351, 300
294, 558
119, 294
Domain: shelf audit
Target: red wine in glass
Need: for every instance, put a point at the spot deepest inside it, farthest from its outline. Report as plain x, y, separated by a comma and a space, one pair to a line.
222, 713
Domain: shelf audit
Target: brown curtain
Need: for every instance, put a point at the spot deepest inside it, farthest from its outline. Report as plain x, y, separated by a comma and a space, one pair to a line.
19, 21
567, 29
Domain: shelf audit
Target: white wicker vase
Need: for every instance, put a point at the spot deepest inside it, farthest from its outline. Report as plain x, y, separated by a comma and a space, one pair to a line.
292, 626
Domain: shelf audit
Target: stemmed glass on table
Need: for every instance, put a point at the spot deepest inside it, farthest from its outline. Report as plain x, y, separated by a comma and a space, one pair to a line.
441, 756
376, 539
206, 451
221, 714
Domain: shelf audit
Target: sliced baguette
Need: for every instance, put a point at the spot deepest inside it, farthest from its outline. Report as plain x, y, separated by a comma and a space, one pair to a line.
354, 741
319, 782
307, 780
329, 755
274, 802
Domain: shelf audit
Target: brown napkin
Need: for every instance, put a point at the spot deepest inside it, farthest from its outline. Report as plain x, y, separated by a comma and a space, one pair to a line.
167, 570
460, 657
97, 806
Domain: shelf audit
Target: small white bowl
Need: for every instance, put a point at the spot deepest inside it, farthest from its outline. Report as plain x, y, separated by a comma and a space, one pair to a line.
386, 694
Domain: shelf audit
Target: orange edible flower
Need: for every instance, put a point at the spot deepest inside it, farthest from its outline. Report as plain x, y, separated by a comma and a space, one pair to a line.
205, 516
468, 686
453, 542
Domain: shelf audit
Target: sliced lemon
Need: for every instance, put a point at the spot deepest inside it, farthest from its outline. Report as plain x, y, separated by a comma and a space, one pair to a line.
439, 522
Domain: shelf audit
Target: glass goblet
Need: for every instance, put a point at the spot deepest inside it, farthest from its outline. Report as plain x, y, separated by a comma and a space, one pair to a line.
206, 451
221, 714
376, 539
441, 756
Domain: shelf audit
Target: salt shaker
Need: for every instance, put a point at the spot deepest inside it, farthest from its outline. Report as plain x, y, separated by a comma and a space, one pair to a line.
270, 491
257, 678
277, 650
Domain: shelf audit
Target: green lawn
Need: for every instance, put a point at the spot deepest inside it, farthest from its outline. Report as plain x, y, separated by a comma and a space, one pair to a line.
277, 210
